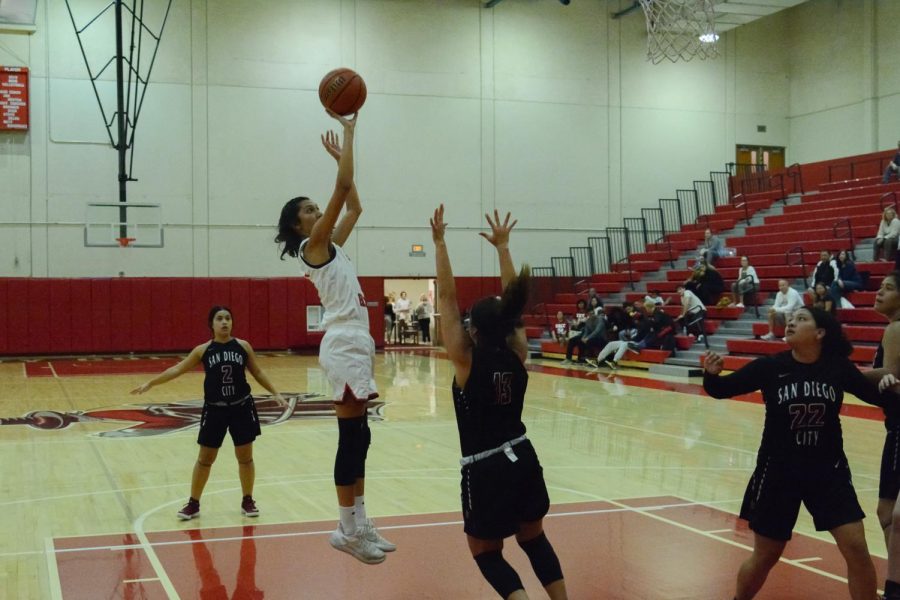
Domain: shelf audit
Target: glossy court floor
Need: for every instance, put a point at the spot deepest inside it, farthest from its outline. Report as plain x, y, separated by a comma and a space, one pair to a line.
645, 476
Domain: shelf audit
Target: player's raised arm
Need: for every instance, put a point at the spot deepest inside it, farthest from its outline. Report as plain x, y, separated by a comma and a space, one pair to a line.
320, 236
456, 340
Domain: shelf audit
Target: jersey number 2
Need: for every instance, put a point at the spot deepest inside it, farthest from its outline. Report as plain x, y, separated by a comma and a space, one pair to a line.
226, 374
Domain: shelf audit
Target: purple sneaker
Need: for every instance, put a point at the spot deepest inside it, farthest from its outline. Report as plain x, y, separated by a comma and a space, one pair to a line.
190, 510
248, 507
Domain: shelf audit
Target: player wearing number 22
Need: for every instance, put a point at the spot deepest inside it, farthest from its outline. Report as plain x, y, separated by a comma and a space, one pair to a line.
801, 456
227, 406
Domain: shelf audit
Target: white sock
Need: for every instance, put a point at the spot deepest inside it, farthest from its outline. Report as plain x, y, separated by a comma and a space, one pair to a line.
360, 506
348, 519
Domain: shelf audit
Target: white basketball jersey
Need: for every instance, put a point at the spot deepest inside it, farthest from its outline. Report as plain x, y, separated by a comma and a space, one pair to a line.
338, 288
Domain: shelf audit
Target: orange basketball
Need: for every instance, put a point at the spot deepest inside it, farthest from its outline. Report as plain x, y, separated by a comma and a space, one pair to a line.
342, 91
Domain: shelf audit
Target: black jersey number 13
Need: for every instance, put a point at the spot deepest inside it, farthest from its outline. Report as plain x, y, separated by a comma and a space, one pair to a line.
503, 387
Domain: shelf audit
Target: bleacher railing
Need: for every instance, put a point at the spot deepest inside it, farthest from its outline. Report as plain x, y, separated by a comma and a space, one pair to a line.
858, 168
721, 181
796, 174
844, 229
891, 198
800, 260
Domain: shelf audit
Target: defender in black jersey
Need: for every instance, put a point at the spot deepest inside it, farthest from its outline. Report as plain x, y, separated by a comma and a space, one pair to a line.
886, 367
502, 491
227, 406
801, 457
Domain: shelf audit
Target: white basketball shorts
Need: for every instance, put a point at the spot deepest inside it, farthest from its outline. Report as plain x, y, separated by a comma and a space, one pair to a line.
347, 355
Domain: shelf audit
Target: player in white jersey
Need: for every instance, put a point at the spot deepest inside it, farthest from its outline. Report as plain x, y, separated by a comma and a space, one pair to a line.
347, 350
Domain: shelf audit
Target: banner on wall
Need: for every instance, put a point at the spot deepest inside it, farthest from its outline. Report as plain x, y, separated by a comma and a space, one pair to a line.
13, 99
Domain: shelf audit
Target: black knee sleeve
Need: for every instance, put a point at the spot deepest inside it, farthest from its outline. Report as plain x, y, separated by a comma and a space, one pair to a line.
365, 439
543, 559
502, 577
350, 458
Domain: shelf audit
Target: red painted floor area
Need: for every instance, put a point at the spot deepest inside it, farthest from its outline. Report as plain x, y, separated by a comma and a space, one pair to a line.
608, 552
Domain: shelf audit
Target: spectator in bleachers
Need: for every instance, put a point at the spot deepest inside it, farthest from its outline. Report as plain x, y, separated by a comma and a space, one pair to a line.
560, 331
892, 167
706, 282
826, 271
713, 247
888, 234
787, 300
662, 330
581, 315
848, 280
594, 302
693, 311
594, 336
822, 298
653, 297
618, 320
592, 293
747, 282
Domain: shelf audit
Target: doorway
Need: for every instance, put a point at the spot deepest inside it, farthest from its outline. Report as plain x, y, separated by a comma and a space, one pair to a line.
770, 157
414, 315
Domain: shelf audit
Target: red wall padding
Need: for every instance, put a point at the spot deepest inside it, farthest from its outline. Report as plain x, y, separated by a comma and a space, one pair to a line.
81, 316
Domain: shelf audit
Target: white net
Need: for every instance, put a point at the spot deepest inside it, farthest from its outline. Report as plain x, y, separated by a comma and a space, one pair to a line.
680, 30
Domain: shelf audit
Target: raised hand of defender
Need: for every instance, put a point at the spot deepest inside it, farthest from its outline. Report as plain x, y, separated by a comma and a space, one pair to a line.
499, 236
332, 145
712, 363
437, 225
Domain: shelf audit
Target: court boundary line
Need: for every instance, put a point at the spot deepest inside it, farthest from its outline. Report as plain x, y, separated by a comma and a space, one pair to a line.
53, 569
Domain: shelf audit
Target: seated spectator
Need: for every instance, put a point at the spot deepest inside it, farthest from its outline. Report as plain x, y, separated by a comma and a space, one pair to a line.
848, 279
592, 293
892, 167
747, 282
662, 331
823, 299
693, 311
591, 337
560, 332
653, 297
888, 233
713, 247
581, 315
618, 320
787, 300
826, 271
706, 283
594, 302
618, 348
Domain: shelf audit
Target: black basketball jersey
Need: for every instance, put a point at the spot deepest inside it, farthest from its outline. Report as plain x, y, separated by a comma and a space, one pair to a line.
891, 409
489, 407
224, 364
803, 402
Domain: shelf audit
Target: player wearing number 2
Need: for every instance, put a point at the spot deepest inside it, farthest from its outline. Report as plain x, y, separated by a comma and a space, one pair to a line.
503, 491
801, 456
227, 406
347, 350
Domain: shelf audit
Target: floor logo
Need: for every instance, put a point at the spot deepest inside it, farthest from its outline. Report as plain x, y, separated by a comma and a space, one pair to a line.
157, 419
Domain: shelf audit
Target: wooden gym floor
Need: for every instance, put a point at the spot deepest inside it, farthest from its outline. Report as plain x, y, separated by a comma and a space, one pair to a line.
645, 475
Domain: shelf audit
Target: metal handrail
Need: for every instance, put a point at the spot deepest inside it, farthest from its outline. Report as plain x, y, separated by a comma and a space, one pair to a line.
802, 263
892, 195
745, 204
849, 233
795, 175
780, 178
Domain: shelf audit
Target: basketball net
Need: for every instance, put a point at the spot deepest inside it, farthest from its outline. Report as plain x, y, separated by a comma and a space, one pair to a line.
674, 28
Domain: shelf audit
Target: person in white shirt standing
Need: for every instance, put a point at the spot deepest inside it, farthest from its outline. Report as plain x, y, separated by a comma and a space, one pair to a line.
402, 307
787, 300
347, 350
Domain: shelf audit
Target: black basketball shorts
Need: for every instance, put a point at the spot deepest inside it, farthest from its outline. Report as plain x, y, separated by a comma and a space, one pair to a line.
773, 497
498, 494
889, 481
240, 420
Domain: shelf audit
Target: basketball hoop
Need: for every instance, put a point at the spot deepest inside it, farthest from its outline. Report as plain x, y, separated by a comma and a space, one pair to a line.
680, 30
124, 241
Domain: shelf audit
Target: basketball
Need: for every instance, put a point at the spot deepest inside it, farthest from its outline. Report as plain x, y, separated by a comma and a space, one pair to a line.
342, 91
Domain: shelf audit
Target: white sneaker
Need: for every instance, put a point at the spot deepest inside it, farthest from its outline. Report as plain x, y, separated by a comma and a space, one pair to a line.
566, 362
356, 546
369, 532
739, 305
768, 337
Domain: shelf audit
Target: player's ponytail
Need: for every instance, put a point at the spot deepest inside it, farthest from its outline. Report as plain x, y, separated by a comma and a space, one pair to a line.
835, 342
495, 318
287, 234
